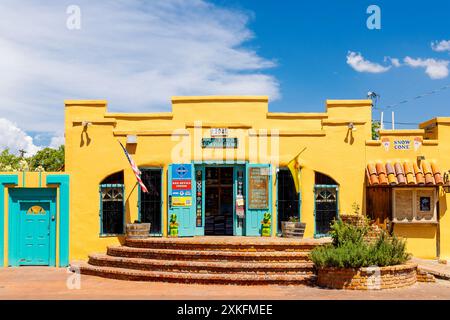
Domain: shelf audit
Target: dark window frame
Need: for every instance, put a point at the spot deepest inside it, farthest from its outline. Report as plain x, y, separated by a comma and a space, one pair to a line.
159, 234
298, 198
104, 233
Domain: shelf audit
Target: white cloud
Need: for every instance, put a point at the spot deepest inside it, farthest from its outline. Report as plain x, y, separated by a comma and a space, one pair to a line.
394, 61
15, 139
358, 63
56, 141
441, 46
435, 69
136, 54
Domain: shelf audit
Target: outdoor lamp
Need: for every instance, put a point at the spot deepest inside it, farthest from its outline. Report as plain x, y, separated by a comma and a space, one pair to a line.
446, 185
131, 139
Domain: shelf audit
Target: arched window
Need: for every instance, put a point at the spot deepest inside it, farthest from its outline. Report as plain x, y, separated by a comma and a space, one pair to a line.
323, 179
325, 203
112, 209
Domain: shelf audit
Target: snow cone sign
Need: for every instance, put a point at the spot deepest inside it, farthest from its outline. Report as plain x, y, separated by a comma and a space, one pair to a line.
386, 143
417, 143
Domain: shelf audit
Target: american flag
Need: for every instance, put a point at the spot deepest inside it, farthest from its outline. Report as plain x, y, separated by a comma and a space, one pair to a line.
136, 170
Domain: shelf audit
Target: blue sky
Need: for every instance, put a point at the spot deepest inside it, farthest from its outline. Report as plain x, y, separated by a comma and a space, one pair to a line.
137, 54
310, 41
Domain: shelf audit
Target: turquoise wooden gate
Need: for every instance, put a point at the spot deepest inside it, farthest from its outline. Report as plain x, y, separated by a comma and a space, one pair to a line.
258, 196
32, 227
181, 184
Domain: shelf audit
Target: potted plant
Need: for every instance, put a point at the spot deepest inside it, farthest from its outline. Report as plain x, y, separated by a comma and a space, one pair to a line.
265, 225
173, 226
293, 228
137, 230
351, 262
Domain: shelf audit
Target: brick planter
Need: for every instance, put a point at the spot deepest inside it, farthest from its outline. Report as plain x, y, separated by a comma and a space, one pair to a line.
364, 279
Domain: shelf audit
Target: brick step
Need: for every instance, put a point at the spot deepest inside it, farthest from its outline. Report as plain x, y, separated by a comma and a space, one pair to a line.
207, 255
227, 243
202, 266
192, 277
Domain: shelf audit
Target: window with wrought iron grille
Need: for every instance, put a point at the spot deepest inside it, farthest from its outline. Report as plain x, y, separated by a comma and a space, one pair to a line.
112, 209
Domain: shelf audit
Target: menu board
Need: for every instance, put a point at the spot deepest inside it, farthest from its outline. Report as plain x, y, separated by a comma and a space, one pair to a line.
258, 188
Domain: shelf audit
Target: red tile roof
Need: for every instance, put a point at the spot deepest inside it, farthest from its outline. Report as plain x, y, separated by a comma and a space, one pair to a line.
403, 173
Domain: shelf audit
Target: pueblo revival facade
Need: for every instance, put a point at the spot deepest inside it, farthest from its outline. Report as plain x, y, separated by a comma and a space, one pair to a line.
220, 164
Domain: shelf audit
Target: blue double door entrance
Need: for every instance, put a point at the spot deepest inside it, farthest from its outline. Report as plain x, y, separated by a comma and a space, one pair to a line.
32, 226
219, 199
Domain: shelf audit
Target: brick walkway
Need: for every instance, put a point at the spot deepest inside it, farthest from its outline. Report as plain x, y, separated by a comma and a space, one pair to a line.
433, 267
50, 283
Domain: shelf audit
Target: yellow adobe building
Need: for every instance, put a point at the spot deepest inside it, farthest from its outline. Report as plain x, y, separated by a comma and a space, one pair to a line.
219, 163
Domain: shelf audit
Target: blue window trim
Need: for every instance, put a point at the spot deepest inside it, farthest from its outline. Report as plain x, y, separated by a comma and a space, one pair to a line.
103, 234
299, 199
6, 179
162, 199
330, 186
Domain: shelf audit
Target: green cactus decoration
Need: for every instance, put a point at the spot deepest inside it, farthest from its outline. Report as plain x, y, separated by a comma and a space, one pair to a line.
265, 229
173, 226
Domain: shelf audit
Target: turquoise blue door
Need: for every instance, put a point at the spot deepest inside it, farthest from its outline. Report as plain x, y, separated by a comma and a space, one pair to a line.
181, 184
32, 227
258, 196
34, 248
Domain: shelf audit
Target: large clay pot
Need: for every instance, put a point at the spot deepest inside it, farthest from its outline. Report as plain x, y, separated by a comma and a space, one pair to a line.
292, 229
138, 230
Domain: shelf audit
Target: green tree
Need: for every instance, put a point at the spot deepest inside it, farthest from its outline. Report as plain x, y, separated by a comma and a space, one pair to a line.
49, 159
376, 130
8, 161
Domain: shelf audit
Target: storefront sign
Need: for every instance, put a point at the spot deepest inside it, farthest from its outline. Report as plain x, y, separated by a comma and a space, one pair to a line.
181, 201
219, 132
258, 188
403, 144
219, 142
181, 185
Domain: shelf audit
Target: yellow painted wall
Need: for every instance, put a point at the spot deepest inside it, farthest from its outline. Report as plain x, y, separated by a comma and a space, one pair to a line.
94, 154
331, 148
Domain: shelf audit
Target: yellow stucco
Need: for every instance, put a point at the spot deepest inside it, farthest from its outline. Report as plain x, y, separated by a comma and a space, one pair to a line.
330, 147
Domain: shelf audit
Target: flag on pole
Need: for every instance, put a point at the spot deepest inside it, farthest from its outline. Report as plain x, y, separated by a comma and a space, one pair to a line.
294, 168
136, 170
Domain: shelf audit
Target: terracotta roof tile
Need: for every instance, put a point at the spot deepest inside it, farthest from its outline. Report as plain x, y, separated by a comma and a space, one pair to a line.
419, 174
410, 178
399, 173
392, 179
402, 173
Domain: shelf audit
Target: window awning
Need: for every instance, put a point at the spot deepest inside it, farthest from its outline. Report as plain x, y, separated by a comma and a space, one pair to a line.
403, 173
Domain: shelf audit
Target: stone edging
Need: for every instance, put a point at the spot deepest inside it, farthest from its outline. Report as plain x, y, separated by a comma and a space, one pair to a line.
366, 279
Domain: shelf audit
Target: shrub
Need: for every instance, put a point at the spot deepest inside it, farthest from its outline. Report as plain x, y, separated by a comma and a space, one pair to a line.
350, 250
342, 233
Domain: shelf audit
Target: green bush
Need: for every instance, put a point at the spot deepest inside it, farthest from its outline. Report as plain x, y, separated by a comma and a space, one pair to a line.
349, 250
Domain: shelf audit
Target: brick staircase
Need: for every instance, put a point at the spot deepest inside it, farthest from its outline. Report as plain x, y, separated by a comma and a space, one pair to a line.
207, 260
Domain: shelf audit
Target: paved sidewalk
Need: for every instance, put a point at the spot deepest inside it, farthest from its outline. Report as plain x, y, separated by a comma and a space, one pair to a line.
50, 283
433, 267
